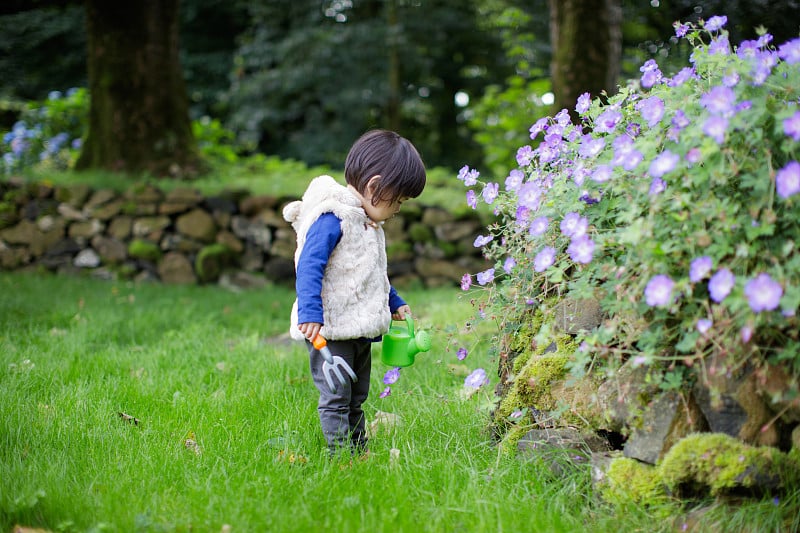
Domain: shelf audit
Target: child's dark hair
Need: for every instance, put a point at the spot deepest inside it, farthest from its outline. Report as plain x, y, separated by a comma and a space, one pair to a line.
392, 157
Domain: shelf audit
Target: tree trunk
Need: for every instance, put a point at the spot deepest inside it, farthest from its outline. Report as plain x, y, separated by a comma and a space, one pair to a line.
139, 114
586, 36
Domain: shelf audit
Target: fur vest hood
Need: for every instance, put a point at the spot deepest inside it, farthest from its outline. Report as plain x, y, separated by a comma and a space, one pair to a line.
355, 286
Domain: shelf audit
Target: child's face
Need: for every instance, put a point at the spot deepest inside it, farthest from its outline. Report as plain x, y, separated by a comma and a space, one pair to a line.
382, 210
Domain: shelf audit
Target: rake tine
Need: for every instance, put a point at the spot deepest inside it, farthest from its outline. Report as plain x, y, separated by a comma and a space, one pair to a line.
329, 380
349, 370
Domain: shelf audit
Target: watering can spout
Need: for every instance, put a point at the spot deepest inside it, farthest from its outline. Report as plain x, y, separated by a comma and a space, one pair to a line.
401, 344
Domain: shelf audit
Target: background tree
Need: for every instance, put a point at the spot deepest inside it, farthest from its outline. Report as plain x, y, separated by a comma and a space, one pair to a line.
139, 113
586, 36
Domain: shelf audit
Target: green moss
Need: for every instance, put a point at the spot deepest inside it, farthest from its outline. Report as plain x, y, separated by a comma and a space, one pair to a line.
531, 386
211, 260
141, 249
629, 481
723, 463
8, 214
419, 232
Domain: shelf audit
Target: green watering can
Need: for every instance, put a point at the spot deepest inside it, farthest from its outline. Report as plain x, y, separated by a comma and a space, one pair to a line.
401, 345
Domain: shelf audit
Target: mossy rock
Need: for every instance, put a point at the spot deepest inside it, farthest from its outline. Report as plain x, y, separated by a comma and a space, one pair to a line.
141, 249
8, 214
211, 260
721, 464
629, 481
419, 232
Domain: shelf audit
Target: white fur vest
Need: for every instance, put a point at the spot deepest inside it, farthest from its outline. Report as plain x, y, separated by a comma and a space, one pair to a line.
355, 286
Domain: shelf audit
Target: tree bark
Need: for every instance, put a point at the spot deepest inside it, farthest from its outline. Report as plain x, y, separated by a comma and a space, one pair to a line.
139, 112
586, 36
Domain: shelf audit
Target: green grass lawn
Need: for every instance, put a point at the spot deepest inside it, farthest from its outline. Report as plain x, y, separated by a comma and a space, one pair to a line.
212, 366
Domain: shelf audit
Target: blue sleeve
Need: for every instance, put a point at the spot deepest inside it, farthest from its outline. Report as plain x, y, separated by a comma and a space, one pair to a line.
322, 237
395, 301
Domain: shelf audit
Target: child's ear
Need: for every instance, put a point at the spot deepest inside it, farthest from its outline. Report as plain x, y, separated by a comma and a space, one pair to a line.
373, 183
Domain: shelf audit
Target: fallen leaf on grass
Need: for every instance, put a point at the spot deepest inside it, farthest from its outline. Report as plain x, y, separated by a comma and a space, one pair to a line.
23, 529
128, 418
383, 420
291, 457
190, 443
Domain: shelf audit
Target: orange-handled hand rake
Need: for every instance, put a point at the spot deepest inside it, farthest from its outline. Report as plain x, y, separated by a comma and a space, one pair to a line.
332, 363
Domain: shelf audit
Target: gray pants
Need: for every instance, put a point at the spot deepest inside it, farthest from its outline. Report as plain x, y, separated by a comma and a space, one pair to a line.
340, 412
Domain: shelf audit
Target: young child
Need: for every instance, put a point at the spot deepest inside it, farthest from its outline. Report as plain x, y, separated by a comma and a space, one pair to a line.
343, 291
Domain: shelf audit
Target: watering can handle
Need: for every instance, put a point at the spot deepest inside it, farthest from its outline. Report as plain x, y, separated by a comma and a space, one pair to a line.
410, 323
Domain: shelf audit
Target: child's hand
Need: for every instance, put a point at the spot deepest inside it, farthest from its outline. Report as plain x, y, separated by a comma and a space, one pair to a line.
310, 329
401, 313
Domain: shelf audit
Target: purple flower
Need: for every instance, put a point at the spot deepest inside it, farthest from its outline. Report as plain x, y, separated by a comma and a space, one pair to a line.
719, 45
490, 192
716, 22
590, 146
699, 268
538, 127
791, 126
391, 376
787, 179
584, 101
581, 249
715, 128
477, 379
529, 195
657, 186
790, 51
719, 101
703, 325
472, 199
522, 215
481, 241
680, 29
466, 282
539, 226
573, 225
469, 177
731, 80
514, 180
385, 392
664, 163
721, 284
509, 264
602, 173
524, 156
652, 110
461, 354
544, 259
607, 121
746, 333
487, 276
683, 75
680, 120
763, 293
651, 74
658, 291
693, 155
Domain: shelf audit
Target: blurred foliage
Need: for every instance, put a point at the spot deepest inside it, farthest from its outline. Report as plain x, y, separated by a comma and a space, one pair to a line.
303, 79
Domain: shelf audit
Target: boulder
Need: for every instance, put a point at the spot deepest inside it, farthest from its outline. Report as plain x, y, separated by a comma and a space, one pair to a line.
197, 224
175, 268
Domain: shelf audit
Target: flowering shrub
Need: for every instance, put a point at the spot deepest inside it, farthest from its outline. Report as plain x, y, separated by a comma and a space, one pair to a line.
47, 133
675, 205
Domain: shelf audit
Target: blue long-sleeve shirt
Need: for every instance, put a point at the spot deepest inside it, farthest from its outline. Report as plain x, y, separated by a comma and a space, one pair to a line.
322, 237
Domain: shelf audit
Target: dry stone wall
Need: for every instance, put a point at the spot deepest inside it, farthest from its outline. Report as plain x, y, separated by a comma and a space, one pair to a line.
184, 237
